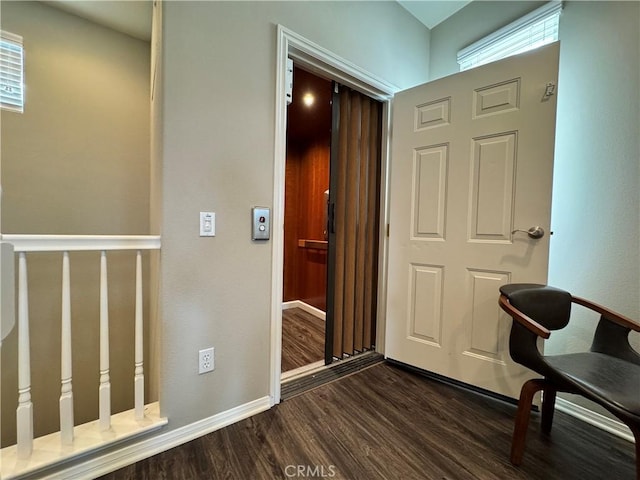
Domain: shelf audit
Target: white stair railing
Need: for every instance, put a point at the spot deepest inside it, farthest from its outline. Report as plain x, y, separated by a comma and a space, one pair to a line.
139, 349
24, 244
66, 390
105, 384
24, 414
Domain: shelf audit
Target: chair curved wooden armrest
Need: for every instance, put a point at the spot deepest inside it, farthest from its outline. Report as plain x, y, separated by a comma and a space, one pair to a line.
522, 319
608, 314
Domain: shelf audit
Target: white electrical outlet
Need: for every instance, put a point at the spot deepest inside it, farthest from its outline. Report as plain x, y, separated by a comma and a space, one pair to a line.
206, 360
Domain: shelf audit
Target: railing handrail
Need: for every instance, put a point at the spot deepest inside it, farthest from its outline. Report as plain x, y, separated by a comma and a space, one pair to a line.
74, 243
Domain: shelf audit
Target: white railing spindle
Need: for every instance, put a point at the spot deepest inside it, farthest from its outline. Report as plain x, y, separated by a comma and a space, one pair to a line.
66, 391
139, 370
105, 384
30, 454
24, 413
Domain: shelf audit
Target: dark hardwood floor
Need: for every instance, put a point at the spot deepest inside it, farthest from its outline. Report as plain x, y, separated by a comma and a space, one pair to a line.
302, 339
387, 423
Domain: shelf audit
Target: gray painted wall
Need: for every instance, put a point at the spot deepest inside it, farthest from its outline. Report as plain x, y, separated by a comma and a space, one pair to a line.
218, 154
76, 161
595, 251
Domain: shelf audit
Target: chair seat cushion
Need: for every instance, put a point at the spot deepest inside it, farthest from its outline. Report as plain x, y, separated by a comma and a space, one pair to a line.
607, 380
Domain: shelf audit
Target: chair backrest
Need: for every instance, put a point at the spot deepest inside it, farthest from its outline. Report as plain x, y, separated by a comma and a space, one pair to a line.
549, 306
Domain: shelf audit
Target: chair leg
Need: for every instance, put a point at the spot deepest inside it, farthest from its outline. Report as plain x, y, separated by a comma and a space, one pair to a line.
529, 389
548, 407
636, 434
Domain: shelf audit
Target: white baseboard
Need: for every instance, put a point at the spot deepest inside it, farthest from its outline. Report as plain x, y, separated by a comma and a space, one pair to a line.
148, 447
316, 312
607, 424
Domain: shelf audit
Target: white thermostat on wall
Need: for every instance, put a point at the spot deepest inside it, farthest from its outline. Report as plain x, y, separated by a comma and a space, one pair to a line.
261, 224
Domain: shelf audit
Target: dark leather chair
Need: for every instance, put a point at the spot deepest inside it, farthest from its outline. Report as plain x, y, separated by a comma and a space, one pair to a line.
609, 374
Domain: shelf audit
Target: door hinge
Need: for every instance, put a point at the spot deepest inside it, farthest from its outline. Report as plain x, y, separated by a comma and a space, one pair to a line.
388, 228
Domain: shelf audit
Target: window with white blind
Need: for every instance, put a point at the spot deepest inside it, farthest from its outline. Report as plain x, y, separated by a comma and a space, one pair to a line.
535, 29
11, 72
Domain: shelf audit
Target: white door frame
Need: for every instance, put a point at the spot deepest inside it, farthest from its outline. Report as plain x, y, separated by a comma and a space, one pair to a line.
326, 64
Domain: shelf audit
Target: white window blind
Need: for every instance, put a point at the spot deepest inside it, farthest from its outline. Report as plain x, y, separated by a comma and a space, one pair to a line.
11, 72
531, 31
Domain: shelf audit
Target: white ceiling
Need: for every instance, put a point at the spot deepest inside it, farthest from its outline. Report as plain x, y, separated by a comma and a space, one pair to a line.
432, 12
133, 17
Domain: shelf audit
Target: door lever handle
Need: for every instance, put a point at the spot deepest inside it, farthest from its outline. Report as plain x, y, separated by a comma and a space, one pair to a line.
534, 232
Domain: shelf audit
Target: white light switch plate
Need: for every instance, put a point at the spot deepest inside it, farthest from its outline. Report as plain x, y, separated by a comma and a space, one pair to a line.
207, 224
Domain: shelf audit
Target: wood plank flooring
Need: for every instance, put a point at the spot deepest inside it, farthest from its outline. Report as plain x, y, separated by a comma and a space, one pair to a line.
387, 423
302, 339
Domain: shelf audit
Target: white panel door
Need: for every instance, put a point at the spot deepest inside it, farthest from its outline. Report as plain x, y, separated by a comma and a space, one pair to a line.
471, 161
